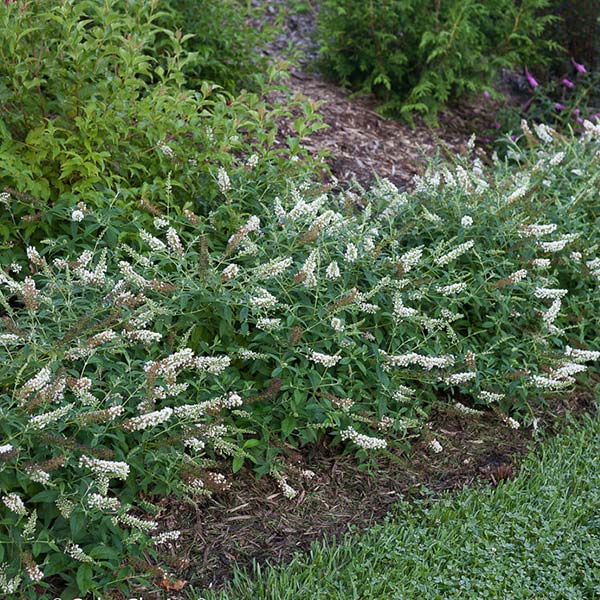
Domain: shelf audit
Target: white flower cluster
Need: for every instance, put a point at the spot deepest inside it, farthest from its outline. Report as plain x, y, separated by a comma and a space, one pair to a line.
582, 355
517, 276
550, 293
15, 504
451, 290
454, 254
165, 149
326, 360
411, 258
105, 468
548, 383
512, 423
154, 243
460, 378
541, 263
151, 419
364, 441
230, 272
274, 268
268, 324
466, 221
103, 502
490, 396
400, 311
34, 572
557, 245
136, 522
212, 364
288, 491
8, 586
36, 383
550, 315
167, 536
332, 271
537, 230
337, 324
6, 448
262, 298
351, 254
75, 551
43, 420
143, 336
307, 272
435, 446
174, 242
223, 180
466, 410
412, 358
10, 338
38, 475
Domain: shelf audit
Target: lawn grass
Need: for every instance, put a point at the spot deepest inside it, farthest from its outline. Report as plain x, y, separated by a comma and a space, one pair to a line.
537, 536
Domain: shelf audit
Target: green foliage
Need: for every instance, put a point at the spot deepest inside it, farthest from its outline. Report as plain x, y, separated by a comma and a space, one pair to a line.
535, 537
227, 38
94, 101
203, 344
419, 56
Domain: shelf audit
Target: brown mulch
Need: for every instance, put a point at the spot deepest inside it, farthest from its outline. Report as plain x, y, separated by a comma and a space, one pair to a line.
361, 144
252, 521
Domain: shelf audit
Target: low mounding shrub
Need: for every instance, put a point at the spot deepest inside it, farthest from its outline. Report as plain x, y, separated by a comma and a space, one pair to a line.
94, 101
419, 55
206, 344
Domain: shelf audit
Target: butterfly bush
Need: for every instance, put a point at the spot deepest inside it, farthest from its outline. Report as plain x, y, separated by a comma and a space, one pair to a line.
162, 364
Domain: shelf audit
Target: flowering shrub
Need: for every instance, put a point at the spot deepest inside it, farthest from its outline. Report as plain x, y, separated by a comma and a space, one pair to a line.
418, 56
566, 101
200, 345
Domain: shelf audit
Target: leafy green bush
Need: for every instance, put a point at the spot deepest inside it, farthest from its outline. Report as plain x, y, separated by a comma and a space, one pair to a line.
131, 369
418, 56
227, 38
93, 103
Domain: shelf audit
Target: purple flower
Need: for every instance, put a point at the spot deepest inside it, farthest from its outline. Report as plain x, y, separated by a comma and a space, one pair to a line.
568, 83
486, 94
559, 106
578, 66
513, 137
530, 78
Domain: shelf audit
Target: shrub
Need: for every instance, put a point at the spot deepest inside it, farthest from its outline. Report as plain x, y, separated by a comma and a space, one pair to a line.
228, 39
418, 56
94, 103
204, 344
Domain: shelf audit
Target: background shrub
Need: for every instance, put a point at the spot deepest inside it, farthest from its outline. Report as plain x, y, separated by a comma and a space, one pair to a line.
228, 39
205, 343
418, 56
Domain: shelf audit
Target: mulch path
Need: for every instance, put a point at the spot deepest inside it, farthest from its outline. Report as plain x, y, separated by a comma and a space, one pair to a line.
360, 143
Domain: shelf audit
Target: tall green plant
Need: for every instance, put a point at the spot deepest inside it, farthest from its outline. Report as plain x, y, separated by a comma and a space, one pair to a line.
94, 101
